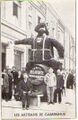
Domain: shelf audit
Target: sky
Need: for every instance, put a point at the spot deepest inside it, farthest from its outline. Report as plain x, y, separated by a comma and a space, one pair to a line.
66, 11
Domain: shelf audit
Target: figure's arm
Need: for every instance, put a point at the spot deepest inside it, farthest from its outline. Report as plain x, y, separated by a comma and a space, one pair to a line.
28, 41
52, 51
58, 46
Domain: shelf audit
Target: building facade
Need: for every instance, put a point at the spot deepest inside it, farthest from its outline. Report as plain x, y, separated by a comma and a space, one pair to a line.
60, 32
18, 20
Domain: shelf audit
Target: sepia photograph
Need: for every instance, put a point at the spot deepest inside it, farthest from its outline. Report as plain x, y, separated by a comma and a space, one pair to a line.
38, 59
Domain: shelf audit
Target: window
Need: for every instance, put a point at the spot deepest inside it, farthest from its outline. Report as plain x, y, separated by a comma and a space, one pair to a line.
30, 55
17, 59
3, 9
39, 19
30, 21
53, 32
29, 18
30, 7
3, 56
60, 35
15, 9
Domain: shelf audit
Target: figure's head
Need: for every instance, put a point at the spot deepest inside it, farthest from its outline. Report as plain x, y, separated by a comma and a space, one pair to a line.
25, 76
50, 70
4, 70
19, 72
41, 28
42, 31
14, 68
58, 72
72, 71
9, 71
7, 67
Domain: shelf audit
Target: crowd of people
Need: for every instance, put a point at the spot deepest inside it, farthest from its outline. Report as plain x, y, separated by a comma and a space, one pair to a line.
10, 80
18, 84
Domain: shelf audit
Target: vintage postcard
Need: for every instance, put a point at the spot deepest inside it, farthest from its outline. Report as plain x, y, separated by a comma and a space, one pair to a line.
38, 59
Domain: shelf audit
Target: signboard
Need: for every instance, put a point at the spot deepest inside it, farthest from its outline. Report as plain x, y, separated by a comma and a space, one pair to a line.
37, 75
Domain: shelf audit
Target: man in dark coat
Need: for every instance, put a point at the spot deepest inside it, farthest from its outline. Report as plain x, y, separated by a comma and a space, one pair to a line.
25, 88
59, 87
70, 80
42, 48
10, 77
15, 76
5, 87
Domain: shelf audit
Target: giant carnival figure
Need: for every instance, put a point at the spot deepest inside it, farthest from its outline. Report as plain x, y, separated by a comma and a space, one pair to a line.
42, 53
42, 49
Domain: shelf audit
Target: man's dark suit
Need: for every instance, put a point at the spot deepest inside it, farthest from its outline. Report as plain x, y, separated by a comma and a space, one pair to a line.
24, 88
59, 88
